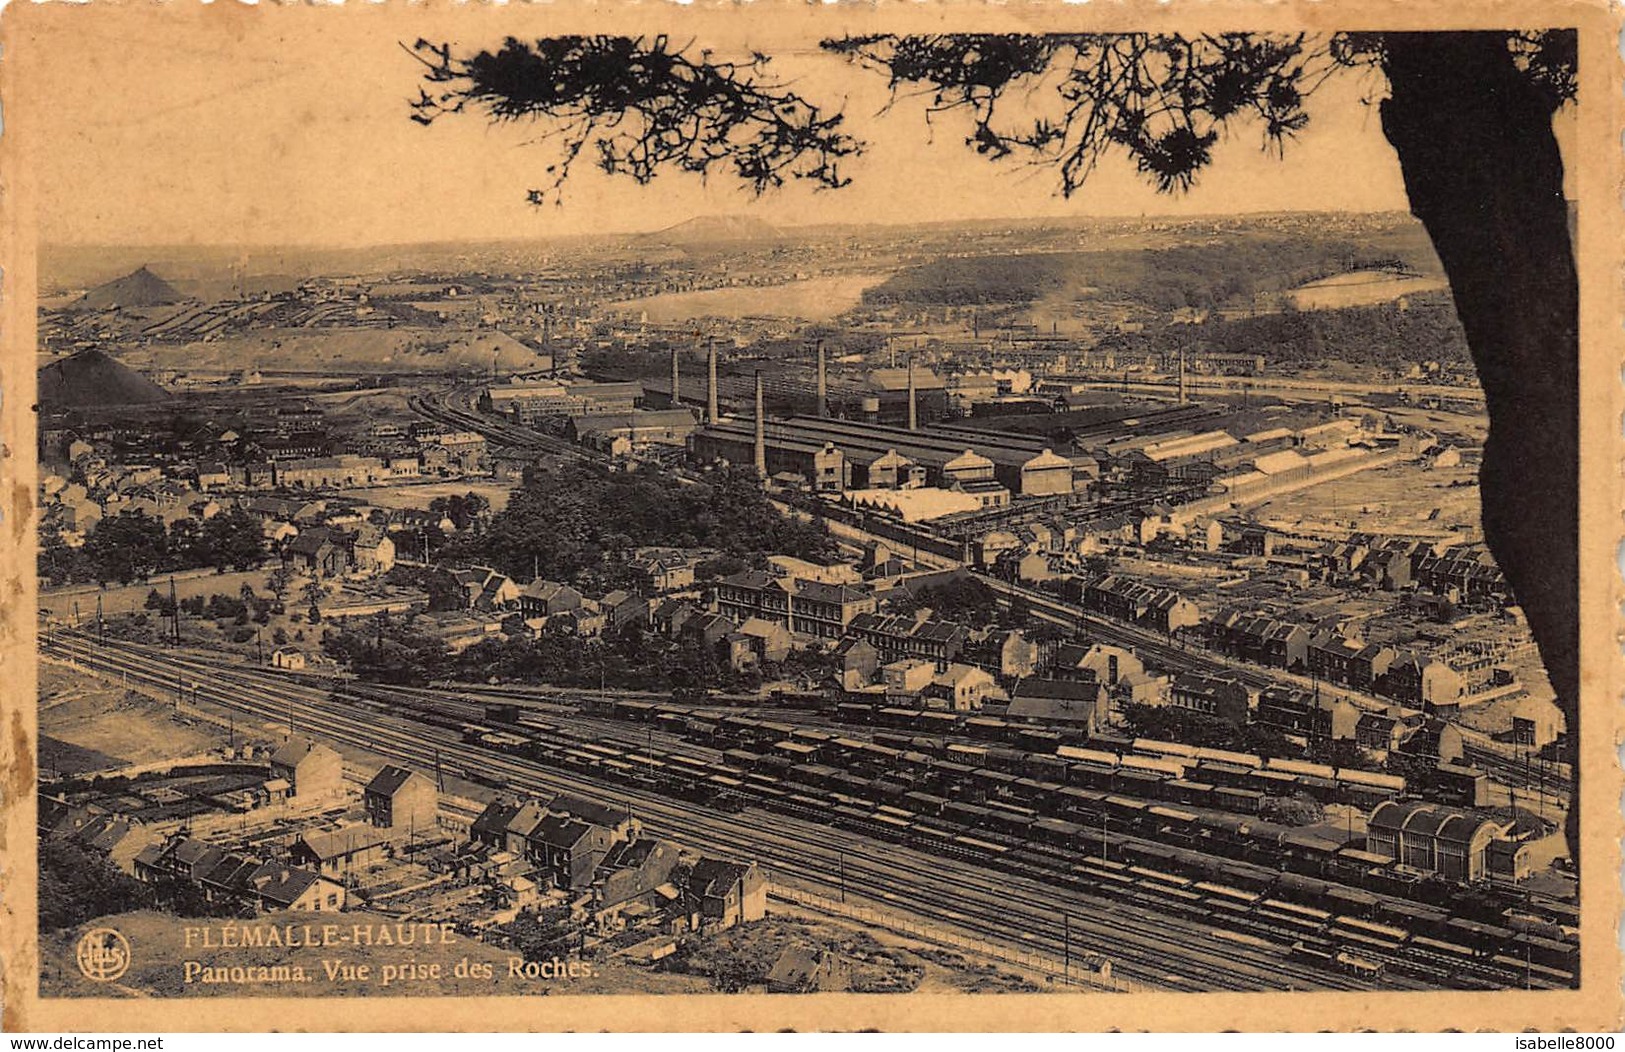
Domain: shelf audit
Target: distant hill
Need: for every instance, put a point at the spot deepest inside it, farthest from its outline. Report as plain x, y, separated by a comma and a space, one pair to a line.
94, 378
139, 288
703, 230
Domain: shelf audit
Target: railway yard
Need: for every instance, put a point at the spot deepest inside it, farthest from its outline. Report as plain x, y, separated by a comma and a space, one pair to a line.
1150, 853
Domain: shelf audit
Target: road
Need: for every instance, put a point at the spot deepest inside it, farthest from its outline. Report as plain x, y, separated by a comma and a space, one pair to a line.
1288, 390
1147, 947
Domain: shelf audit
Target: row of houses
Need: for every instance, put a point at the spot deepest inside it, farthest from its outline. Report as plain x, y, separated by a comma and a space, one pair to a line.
1336, 657
1465, 571
599, 856
226, 877
1123, 599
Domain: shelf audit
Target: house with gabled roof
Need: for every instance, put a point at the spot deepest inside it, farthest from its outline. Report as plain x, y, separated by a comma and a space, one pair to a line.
711, 629
858, 662
372, 550
542, 598
1226, 697
620, 608
314, 772
618, 820
631, 873
802, 969
338, 852
1081, 701
721, 894
400, 799
318, 550
226, 879
277, 887
669, 616
569, 850
521, 824
180, 857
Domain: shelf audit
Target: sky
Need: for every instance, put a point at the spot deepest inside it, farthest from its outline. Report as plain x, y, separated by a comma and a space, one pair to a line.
295, 130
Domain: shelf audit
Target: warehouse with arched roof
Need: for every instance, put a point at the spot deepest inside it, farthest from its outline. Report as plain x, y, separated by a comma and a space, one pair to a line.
1433, 838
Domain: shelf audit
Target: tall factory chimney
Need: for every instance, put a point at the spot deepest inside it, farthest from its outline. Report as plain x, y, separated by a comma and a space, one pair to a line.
913, 411
676, 381
1182, 376
761, 430
823, 382
711, 414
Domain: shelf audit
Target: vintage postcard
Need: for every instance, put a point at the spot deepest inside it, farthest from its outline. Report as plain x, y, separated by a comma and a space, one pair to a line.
932, 516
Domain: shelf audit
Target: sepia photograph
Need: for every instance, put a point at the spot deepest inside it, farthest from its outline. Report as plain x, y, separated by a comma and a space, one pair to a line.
1023, 514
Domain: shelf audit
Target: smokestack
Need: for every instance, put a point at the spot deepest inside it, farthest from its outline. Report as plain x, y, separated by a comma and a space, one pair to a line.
761, 430
913, 412
711, 414
823, 382
1182, 376
676, 381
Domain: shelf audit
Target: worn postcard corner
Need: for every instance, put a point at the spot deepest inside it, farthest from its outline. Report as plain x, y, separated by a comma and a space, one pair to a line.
625, 518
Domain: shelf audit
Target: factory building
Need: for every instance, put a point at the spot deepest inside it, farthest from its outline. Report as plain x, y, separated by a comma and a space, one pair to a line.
638, 429
880, 457
528, 401
903, 396
1165, 458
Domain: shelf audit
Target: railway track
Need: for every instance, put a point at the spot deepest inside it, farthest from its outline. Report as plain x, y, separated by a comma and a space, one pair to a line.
1521, 773
655, 746
543, 724
511, 436
1148, 947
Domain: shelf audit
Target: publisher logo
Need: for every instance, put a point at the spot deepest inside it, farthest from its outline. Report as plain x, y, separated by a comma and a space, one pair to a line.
103, 955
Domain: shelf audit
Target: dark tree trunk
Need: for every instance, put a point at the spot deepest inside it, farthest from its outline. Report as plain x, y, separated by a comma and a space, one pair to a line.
1484, 175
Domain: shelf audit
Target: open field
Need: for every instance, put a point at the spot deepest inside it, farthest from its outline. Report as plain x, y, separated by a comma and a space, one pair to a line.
418, 495
1361, 288
817, 299
1401, 499
342, 350
87, 723
131, 598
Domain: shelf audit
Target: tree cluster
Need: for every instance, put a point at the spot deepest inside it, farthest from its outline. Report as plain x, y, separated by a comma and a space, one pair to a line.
569, 521
964, 599
223, 609
1388, 335
133, 546
76, 885
1202, 276
390, 650
464, 510
393, 650
1165, 723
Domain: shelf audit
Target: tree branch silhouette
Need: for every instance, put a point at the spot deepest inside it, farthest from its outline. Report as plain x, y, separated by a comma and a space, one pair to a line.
1162, 99
637, 105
